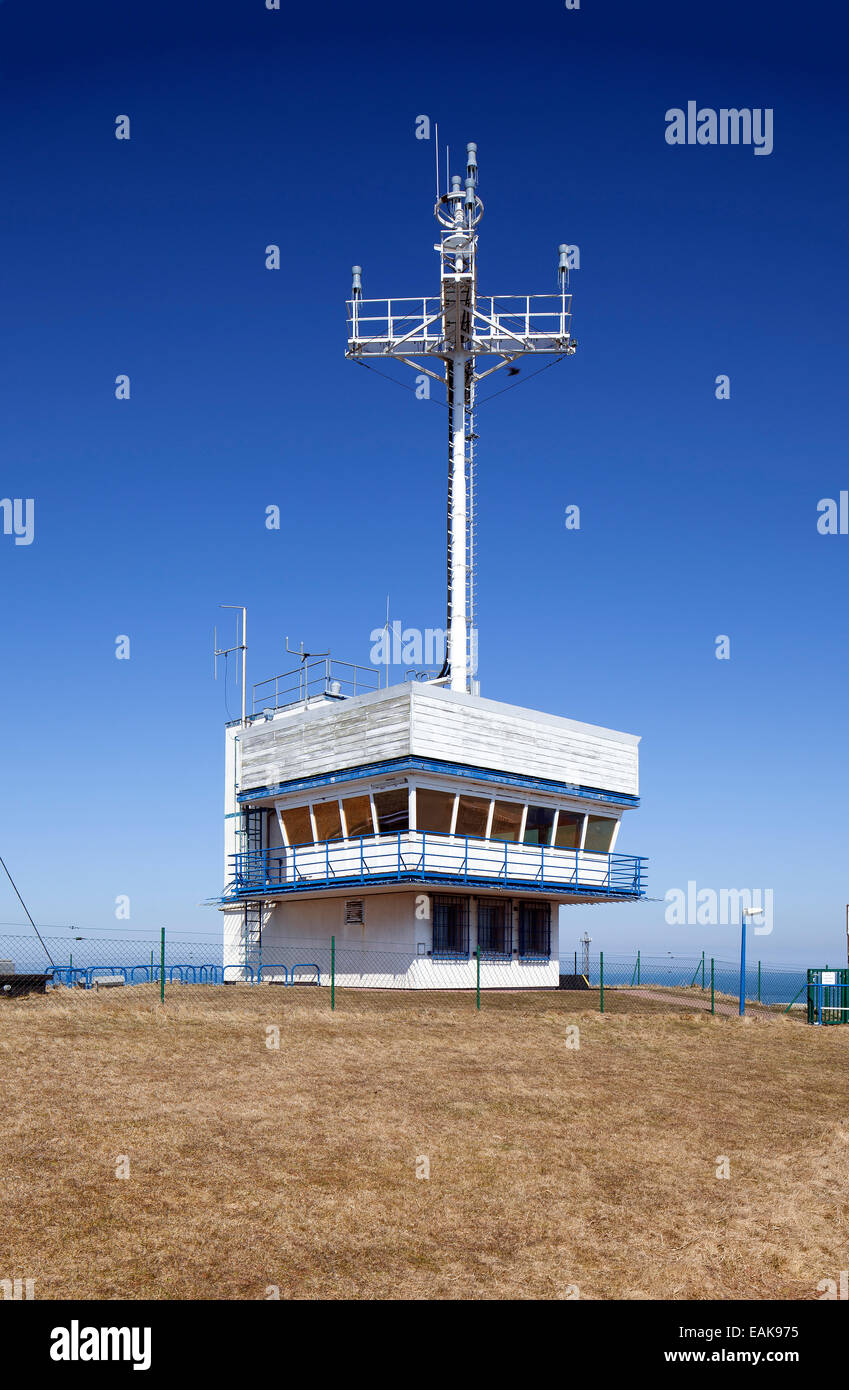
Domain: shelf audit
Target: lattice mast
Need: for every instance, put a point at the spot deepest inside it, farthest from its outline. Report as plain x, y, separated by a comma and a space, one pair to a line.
458, 328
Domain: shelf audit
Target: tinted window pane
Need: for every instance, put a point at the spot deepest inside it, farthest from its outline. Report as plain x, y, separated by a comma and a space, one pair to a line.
569, 830
538, 825
472, 816
506, 821
296, 819
599, 833
358, 816
393, 812
434, 810
327, 821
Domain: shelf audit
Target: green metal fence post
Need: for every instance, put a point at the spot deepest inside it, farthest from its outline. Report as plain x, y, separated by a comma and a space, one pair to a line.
601, 979
478, 956
703, 969
333, 972
638, 967
759, 982
712, 1009
162, 967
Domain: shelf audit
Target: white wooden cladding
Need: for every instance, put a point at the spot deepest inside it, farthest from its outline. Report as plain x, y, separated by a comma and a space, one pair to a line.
429, 722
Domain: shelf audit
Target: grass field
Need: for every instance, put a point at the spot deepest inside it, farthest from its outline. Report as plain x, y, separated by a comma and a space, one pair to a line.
550, 1167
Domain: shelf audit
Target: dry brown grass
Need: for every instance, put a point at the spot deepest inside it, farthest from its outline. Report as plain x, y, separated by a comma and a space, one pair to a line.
550, 1167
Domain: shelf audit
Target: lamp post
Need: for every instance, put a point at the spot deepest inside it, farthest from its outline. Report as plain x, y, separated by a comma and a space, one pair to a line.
747, 912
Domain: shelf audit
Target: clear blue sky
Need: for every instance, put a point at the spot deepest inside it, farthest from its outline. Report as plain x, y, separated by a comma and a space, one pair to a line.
252, 127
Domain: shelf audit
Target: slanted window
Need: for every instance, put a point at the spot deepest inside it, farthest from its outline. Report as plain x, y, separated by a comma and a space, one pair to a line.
599, 833
393, 811
434, 810
450, 928
495, 929
569, 826
328, 823
506, 821
472, 816
534, 931
358, 816
538, 825
297, 824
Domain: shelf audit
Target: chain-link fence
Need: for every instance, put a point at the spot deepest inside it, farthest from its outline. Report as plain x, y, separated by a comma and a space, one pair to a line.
641, 983
167, 964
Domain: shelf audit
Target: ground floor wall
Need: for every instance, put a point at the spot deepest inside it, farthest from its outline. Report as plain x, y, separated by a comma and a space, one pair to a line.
381, 940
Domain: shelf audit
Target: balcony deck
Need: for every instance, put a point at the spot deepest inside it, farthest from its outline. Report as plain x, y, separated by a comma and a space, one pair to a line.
416, 856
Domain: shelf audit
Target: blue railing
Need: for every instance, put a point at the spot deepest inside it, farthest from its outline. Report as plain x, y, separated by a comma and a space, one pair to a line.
88, 975
418, 855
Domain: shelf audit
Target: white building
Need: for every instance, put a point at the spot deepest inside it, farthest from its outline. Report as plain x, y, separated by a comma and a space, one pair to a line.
419, 834
415, 825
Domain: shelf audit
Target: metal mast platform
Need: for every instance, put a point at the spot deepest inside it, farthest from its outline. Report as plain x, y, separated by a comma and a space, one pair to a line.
458, 327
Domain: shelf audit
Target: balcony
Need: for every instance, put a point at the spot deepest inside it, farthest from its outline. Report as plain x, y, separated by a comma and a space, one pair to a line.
501, 324
417, 856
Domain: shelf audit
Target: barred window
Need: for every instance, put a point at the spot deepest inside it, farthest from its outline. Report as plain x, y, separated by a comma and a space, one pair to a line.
495, 929
450, 927
535, 930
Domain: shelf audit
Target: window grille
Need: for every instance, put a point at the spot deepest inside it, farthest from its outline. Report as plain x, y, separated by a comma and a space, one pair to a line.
534, 931
450, 928
495, 929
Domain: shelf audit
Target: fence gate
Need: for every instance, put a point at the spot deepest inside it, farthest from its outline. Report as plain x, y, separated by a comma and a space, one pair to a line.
828, 996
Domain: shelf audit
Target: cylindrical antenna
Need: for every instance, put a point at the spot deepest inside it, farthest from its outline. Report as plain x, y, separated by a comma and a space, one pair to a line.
357, 282
563, 265
472, 161
436, 153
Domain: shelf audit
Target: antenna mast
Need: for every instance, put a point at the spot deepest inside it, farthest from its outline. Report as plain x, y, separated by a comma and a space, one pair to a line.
241, 646
458, 328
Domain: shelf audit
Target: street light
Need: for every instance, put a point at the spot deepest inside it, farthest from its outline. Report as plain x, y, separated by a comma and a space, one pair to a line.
747, 912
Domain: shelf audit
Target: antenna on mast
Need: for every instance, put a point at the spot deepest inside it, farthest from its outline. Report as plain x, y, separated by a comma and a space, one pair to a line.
241, 646
451, 333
